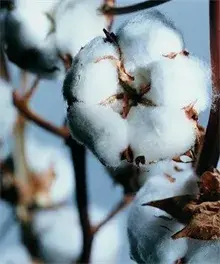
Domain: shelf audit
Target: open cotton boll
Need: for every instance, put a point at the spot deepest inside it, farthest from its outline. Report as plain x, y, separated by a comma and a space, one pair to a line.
41, 157
37, 5
31, 46
59, 234
145, 37
7, 110
15, 254
159, 132
89, 80
149, 228
180, 82
102, 130
78, 22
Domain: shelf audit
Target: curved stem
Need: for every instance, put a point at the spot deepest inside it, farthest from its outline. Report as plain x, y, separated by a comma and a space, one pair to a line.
210, 152
108, 9
22, 106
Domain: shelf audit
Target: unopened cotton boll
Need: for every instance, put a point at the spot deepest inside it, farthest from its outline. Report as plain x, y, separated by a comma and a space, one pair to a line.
180, 82
102, 130
90, 80
30, 43
150, 229
159, 132
78, 22
7, 110
145, 38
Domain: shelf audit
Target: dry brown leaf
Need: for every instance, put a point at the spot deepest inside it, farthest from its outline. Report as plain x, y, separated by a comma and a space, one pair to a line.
174, 206
210, 183
205, 222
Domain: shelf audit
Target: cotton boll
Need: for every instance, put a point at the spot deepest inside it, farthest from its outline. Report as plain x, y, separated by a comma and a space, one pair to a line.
77, 22
59, 234
103, 252
180, 82
38, 5
40, 157
32, 45
149, 233
7, 110
145, 38
159, 132
89, 80
102, 130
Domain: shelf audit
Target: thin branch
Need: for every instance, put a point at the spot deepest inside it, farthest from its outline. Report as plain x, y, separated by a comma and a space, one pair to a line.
210, 152
78, 155
128, 198
114, 10
4, 73
21, 105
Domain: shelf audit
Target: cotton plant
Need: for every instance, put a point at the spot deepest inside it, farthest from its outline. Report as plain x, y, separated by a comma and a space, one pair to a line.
130, 96
60, 238
155, 234
48, 34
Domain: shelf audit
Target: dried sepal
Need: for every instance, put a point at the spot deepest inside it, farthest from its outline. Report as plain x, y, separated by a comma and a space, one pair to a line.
174, 206
210, 184
205, 222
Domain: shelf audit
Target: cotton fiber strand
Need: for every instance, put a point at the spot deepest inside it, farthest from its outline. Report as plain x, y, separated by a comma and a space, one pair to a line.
180, 82
89, 80
146, 37
101, 129
159, 132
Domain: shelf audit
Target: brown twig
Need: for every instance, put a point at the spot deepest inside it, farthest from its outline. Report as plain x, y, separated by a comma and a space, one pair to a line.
108, 9
4, 73
128, 198
78, 155
210, 152
22, 106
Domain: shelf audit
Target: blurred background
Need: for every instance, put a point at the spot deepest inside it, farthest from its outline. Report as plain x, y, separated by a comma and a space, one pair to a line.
58, 229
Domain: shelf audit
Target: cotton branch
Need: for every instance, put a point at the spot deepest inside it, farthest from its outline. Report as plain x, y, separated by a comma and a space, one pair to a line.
210, 152
128, 198
21, 104
78, 155
109, 9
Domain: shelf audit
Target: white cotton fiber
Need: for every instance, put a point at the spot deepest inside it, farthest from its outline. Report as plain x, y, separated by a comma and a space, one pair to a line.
159, 132
145, 38
59, 234
29, 26
180, 82
32, 44
77, 22
102, 130
89, 80
149, 228
7, 110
